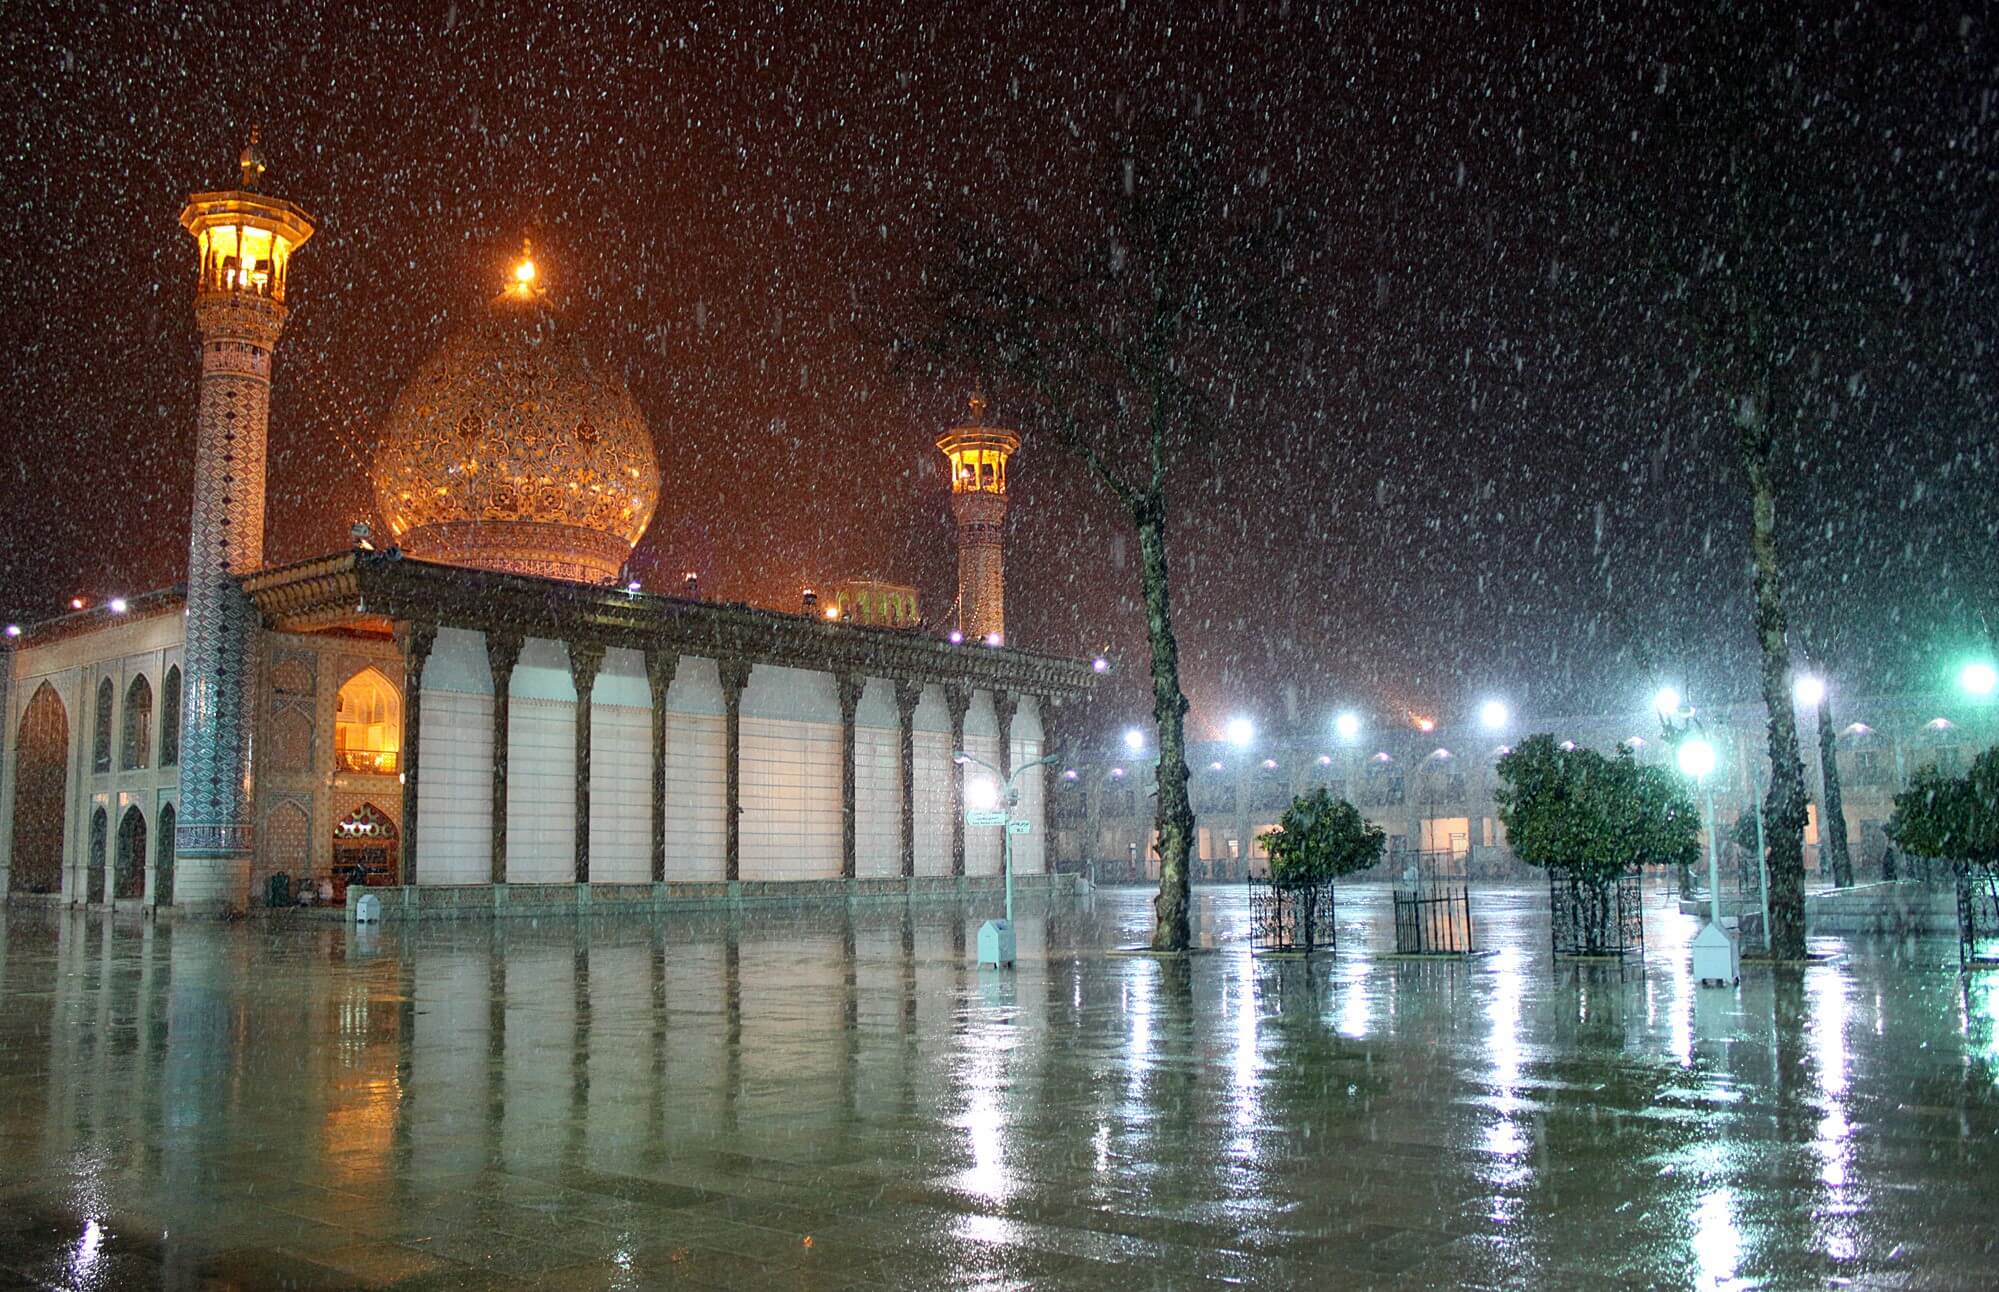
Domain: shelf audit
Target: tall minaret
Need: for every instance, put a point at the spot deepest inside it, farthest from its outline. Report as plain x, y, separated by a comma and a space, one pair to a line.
246, 240
978, 456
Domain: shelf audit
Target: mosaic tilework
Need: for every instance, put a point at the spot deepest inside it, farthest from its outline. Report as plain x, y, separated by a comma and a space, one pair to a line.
226, 539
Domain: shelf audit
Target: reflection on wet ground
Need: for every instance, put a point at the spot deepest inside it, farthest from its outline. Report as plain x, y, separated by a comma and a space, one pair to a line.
842, 1100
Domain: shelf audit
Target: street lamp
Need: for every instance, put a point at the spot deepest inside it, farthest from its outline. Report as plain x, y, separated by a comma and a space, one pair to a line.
1666, 700
1717, 958
1134, 740
1493, 715
1347, 726
997, 799
1808, 690
1240, 732
1979, 679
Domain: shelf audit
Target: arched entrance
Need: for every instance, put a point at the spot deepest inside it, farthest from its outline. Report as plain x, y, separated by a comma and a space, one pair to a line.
93, 879
40, 779
365, 849
129, 879
163, 860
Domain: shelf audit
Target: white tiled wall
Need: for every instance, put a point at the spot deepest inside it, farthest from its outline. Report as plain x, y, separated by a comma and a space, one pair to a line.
620, 793
541, 791
982, 842
791, 800
1030, 851
933, 803
455, 816
877, 787
694, 792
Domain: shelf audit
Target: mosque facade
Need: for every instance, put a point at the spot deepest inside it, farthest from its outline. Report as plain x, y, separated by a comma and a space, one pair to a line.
485, 713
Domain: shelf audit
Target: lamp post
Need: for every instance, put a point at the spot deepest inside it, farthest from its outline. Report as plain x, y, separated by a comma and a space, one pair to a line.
1717, 958
996, 937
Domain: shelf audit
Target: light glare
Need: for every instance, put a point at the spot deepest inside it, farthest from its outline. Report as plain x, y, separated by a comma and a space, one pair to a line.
1240, 732
1696, 757
1979, 679
1493, 715
1808, 690
1347, 725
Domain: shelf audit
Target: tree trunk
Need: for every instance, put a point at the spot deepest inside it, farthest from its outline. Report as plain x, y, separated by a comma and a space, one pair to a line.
1784, 808
1832, 812
1175, 820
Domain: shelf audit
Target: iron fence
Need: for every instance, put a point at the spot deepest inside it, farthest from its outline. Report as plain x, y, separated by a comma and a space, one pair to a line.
1977, 917
1590, 917
1291, 917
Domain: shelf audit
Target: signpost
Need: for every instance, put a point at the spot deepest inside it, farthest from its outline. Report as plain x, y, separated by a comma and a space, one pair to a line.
996, 938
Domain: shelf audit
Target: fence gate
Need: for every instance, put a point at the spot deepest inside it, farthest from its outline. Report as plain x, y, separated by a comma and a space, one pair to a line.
1433, 906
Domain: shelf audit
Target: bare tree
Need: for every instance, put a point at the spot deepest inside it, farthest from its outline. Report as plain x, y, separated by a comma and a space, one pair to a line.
1127, 330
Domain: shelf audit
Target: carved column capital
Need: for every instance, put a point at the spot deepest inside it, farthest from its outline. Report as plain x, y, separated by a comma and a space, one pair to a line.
585, 660
661, 665
503, 651
415, 639
850, 687
735, 676
908, 695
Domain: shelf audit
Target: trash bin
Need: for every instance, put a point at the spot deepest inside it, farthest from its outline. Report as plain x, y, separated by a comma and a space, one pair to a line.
368, 910
278, 890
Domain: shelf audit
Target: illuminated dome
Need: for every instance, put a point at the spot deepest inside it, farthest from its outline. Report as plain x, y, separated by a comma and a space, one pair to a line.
514, 448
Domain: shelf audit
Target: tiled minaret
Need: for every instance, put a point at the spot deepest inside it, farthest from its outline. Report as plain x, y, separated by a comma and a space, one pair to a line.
978, 456
246, 239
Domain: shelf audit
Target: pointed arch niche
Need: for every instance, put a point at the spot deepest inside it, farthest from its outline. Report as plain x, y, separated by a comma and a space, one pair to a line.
368, 725
40, 785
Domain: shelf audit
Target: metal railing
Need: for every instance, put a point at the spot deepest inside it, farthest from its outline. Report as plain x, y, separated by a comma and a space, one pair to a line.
372, 762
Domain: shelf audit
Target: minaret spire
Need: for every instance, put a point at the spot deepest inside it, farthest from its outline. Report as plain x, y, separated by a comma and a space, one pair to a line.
245, 240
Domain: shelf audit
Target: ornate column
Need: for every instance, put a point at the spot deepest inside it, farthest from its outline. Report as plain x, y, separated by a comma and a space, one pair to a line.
907, 696
660, 667
735, 675
850, 686
585, 658
416, 639
957, 699
503, 651
1005, 705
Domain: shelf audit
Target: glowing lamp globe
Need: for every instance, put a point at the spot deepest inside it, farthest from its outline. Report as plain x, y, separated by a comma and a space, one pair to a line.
1979, 678
1347, 725
981, 795
1239, 732
1134, 739
1696, 758
1666, 700
1808, 691
1493, 715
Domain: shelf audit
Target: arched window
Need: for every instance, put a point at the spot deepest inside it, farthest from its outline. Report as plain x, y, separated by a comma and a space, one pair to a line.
100, 828
170, 719
100, 740
368, 725
136, 748
163, 859
40, 793
130, 875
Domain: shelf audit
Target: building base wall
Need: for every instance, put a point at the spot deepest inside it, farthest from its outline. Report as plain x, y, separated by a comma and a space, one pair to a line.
503, 901
209, 885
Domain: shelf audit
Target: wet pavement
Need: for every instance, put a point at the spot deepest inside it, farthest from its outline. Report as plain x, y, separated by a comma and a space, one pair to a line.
841, 1100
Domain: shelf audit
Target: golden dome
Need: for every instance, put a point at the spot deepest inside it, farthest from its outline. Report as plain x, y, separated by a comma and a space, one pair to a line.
514, 448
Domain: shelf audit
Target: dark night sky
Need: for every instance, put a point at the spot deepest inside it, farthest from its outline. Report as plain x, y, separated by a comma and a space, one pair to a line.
1475, 478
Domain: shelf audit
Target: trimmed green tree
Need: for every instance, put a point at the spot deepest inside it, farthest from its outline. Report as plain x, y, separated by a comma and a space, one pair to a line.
1951, 818
1317, 840
1589, 819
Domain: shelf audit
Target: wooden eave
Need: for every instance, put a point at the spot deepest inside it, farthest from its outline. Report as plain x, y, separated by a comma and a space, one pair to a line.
335, 591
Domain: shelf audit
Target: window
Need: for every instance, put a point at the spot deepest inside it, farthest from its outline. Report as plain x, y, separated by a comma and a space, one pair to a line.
170, 719
136, 748
100, 740
368, 725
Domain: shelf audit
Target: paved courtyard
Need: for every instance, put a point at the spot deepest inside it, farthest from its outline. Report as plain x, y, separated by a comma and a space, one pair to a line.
827, 1101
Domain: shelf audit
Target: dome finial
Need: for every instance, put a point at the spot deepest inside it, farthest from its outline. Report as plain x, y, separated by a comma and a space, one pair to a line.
251, 161
978, 408
524, 270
